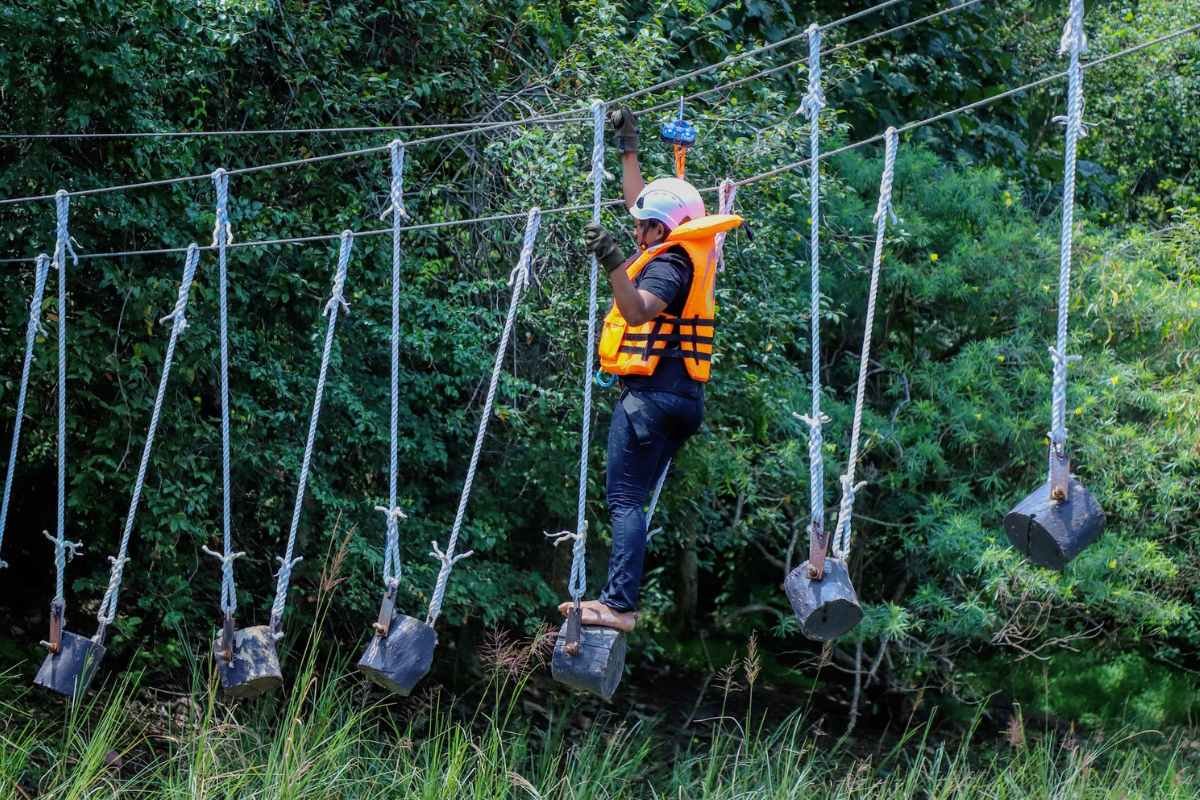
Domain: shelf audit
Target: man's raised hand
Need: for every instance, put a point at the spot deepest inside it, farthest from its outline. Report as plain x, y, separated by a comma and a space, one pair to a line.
624, 125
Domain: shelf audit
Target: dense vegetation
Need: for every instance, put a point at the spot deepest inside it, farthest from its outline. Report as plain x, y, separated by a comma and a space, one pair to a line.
958, 400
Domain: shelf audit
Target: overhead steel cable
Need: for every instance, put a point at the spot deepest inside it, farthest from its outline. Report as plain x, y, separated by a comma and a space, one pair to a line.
733, 59
763, 73
430, 126
756, 178
468, 126
553, 118
986, 101
295, 162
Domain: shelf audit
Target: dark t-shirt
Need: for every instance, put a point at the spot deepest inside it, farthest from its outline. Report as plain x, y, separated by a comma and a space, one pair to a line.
668, 277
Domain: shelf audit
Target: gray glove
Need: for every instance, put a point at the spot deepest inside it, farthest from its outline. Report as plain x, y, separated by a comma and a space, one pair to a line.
624, 125
600, 244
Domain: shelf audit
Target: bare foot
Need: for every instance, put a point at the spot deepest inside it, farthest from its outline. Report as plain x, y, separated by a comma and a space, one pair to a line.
596, 613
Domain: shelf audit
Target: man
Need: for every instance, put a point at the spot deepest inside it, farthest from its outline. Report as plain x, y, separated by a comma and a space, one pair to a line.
658, 339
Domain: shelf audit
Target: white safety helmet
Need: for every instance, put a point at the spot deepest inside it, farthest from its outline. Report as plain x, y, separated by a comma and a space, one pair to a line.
671, 201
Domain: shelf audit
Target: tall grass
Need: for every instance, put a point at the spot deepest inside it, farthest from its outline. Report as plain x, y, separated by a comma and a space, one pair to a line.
329, 737
323, 741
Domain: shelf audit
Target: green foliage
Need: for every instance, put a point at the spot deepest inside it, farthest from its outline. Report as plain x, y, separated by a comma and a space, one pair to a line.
957, 401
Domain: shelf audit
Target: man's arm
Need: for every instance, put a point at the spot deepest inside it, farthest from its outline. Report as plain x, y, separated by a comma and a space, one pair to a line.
632, 182
625, 127
637, 306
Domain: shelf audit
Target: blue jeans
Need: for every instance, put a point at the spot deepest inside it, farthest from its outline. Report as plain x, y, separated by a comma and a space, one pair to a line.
648, 428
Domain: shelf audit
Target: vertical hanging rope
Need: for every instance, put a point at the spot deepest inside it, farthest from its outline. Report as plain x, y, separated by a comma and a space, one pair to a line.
31, 331
811, 107
1073, 42
222, 238
392, 512
726, 193
577, 584
108, 605
841, 544
64, 549
335, 303
518, 279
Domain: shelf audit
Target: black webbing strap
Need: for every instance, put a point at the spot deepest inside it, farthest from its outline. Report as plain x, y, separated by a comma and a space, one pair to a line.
673, 352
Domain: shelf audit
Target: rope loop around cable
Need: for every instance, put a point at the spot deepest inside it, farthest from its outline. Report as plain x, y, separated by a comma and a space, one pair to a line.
396, 154
814, 98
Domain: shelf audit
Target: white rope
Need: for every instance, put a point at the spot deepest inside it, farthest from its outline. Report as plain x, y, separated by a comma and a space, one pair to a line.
577, 584
289, 561
518, 279
1072, 42
726, 192
811, 107
32, 327
392, 513
108, 605
222, 238
63, 245
841, 544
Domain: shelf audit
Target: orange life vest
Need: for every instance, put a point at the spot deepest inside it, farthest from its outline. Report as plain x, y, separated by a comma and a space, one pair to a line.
636, 349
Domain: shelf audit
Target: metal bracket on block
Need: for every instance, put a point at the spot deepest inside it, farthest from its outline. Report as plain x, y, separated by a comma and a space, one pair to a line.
387, 608
1060, 473
573, 630
227, 638
818, 545
54, 643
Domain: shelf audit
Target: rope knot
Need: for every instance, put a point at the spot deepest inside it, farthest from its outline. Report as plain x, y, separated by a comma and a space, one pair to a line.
891, 139
1061, 360
448, 561
287, 566
395, 514
1071, 32
565, 536
1064, 120
520, 275
396, 193
62, 205
177, 315
336, 297
599, 109
226, 559
813, 102
884, 209
814, 99
221, 183
118, 570
814, 423
849, 488
71, 549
